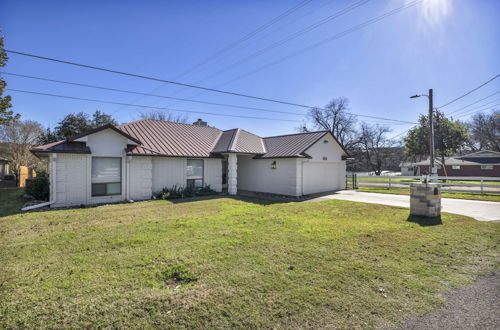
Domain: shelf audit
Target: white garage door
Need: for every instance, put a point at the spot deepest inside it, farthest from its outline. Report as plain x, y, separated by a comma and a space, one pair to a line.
320, 177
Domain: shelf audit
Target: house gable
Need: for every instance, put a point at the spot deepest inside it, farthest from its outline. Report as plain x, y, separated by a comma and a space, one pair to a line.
326, 149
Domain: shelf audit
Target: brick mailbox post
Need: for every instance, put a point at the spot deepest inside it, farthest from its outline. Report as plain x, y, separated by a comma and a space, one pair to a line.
425, 199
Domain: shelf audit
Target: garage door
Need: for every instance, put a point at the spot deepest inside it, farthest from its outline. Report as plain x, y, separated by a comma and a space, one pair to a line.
320, 177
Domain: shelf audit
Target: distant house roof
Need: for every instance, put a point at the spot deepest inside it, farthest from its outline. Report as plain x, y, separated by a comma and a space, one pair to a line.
484, 157
4, 160
163, 138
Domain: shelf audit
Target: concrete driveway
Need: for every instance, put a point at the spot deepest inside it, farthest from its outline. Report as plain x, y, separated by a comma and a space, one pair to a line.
479, 210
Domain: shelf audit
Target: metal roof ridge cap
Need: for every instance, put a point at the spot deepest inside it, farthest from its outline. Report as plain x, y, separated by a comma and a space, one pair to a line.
214, 144
233, 139
300, 133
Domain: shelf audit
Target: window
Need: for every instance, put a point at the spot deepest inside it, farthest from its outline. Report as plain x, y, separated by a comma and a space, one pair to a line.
455, 167
194, 173
486, 167
106, 176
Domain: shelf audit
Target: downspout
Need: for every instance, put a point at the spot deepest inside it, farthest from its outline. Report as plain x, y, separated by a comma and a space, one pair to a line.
53, 175
302, 178
127, 170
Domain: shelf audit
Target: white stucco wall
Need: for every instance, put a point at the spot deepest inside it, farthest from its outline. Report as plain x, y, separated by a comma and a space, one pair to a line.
168, 172
69, 187
213, 173
140, 177
257, 175
325, 170
331, 150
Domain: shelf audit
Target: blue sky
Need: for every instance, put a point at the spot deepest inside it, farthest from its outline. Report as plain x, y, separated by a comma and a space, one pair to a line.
451, 46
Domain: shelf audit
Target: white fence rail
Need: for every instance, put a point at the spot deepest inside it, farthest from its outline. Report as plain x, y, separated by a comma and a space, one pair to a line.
483, 185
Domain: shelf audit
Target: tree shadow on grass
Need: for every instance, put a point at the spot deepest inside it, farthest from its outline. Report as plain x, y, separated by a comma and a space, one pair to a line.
11, 201
425, 221
262, 200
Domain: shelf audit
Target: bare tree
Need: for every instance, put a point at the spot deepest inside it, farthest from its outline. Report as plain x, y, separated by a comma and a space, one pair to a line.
18, 137
161, 115
335, 118
484, 131
374, 144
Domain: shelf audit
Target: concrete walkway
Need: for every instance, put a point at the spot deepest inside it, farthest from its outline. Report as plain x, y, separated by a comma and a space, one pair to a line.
479, 210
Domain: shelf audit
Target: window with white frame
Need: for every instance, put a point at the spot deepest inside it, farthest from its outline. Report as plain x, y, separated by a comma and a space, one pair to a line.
106, 176
455, 167
194, 173
486, 167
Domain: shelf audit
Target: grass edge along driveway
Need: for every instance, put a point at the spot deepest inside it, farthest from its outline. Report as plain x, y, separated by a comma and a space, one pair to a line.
234, 262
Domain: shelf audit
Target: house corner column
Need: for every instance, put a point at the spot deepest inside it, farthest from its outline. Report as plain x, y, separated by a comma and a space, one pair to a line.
232, 173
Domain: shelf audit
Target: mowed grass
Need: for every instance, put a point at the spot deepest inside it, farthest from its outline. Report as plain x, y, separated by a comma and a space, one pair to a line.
234, 262
444, 194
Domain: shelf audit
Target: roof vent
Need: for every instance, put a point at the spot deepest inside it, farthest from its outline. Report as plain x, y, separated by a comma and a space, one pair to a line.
200, 122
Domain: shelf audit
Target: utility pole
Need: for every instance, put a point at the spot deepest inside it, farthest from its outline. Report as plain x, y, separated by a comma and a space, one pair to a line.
432, 168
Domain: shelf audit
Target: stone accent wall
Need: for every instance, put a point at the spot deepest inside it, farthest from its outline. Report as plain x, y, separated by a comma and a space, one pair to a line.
425, 199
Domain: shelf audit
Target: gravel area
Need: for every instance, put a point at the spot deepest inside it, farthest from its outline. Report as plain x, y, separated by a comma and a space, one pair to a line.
475, 306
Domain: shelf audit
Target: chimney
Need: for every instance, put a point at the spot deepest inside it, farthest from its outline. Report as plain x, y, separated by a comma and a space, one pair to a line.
200, 122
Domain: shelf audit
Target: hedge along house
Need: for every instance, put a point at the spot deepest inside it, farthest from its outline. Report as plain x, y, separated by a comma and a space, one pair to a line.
134, 160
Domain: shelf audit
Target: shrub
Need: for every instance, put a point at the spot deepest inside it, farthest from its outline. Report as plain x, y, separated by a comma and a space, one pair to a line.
182, 192
38, 188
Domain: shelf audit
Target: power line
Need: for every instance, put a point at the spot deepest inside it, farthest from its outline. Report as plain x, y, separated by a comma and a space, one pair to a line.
287, 39
309, 107
469, 92
154, 79
188, 100
145, 106
473, 112
148, 94
234, 44
324, 41
468, 105
213, 89
483, 105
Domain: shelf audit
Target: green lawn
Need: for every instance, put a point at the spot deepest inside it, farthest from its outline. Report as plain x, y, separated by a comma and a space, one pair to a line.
11, 200
228, 262
458, 195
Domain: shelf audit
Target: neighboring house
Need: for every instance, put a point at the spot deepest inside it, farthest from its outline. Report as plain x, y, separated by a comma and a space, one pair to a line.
135, 160
4, 167
409, 169
481, 163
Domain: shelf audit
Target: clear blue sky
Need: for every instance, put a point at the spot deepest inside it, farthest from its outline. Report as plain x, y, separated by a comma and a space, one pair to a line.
449, 45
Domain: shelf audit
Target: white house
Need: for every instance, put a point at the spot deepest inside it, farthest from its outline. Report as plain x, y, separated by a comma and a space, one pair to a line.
134, 160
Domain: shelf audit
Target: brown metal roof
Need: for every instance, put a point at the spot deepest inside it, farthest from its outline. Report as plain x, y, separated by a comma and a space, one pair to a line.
292, 145
164, 138
225, 141
239, 141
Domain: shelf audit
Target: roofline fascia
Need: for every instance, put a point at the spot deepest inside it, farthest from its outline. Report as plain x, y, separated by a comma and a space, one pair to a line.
101, 128
172, 156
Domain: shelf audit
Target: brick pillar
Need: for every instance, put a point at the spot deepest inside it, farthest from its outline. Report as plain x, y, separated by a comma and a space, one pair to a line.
425, 199
232, 173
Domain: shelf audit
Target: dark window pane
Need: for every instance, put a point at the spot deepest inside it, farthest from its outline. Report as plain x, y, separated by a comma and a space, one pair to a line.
98, 189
